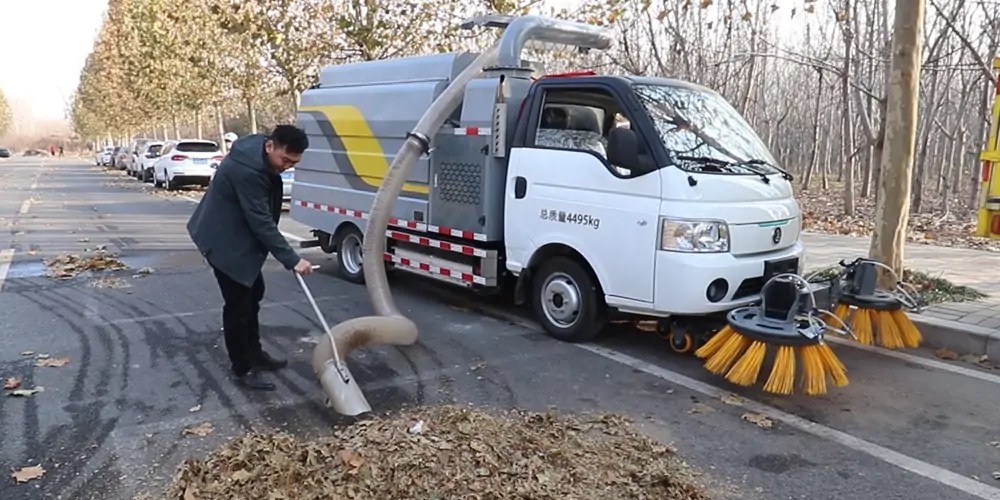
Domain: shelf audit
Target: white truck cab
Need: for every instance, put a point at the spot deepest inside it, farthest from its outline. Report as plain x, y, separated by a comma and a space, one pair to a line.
588, 194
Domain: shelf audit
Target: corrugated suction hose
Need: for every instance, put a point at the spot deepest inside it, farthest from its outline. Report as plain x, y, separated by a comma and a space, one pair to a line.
390, 326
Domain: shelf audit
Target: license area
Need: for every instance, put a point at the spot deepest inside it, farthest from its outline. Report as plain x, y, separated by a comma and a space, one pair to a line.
773, 268
200, 161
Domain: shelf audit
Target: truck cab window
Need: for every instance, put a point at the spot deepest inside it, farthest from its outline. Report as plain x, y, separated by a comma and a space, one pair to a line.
580, 119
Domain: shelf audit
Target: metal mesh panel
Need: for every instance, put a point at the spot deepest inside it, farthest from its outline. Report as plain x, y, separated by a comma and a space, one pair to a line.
460, 183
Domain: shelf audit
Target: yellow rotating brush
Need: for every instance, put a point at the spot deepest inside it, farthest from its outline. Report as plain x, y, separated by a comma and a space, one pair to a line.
738, 351
876, 316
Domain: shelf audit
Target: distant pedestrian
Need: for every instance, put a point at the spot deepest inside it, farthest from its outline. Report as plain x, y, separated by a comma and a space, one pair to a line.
234, 227
52, 149
60, 151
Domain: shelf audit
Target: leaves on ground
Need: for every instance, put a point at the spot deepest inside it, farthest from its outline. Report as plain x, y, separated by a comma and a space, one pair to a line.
758, 419
52, 362
69, 265
461, 453
23, 393
731, 399
203, 429
25, 474
823, 212
11, 383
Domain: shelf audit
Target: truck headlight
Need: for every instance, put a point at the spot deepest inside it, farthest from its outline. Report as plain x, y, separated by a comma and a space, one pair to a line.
694, 236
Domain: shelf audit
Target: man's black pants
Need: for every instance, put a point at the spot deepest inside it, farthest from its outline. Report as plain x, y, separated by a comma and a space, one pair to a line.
239, 320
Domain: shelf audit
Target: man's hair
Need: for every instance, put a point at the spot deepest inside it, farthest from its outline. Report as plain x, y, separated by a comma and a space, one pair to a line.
290, 137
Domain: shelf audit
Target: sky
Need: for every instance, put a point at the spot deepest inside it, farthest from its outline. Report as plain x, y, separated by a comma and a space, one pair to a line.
43, 45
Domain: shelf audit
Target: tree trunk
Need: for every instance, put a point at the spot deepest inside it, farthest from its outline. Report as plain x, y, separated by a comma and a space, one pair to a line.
177, 128
848, 126
199, 130
889, 238
817, 119
220, 122
252, 115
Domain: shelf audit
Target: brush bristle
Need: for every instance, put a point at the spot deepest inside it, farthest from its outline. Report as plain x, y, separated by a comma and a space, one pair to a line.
715, 343
889, 335
782, 379
832, 365
745, 371
720, 363
813, 374
908, 331
861, 324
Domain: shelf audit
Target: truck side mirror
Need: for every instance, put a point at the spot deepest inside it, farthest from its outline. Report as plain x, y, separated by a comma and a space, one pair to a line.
623, 149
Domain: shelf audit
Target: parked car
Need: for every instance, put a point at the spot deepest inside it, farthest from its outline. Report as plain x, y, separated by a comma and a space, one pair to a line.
103, 157
132, 160
287, 177
4, 152
186, 162
148, 155
118, 157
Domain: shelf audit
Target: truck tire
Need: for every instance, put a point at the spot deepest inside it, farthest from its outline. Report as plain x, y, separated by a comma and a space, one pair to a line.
567, 301
349, 259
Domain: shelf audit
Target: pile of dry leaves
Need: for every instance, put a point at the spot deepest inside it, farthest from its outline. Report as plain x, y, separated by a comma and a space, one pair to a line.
69, 265
446, 452
823, 212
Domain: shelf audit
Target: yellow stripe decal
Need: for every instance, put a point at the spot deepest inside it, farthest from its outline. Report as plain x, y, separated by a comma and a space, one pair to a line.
361, 145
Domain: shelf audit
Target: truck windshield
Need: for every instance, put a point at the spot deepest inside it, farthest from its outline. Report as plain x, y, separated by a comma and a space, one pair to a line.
704, 133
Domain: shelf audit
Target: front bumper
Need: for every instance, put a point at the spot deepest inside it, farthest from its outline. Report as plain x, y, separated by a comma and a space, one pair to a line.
683, 279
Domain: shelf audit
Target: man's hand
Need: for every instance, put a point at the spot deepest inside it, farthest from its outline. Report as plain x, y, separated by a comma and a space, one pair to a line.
303, 267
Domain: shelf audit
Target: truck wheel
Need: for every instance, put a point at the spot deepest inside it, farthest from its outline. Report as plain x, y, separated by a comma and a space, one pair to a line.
349, 255
567, 301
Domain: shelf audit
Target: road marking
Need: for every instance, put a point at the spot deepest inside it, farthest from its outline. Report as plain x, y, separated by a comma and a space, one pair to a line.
25, 206
6, 256
909, 358
919, 467
192, 200
905, 462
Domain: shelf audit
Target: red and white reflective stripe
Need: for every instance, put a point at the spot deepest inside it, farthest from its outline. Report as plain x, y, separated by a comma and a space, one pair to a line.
473, 131
328, 208
443, 271
418, 226
443, 245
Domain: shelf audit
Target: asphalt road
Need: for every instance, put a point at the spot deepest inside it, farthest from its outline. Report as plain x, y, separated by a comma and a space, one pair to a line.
109, 422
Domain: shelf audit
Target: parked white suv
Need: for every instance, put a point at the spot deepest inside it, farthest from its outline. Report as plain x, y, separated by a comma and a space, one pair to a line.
146, 158
186, 162
103, 157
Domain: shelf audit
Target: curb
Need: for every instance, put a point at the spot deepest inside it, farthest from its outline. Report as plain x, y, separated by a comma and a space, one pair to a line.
962, 338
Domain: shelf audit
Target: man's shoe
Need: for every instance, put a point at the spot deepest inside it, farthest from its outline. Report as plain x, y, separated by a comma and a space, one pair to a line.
254, 381
266, 362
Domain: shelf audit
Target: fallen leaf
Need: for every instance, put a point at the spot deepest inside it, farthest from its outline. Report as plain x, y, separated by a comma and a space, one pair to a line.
700, 408
352, 458
731, 399
52, 362
25, 474
28, 353
195, 408
145, 270
946, 354
23, 393
83, 240
11, 383
203, 429
756, 418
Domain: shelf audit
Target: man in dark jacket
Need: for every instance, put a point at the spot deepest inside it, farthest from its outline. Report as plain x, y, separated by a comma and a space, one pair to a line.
235, 226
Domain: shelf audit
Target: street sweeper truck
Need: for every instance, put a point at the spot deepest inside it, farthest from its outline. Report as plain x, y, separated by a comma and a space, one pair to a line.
587, 196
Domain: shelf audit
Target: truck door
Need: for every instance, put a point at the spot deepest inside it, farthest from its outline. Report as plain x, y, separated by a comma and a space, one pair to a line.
561, 188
